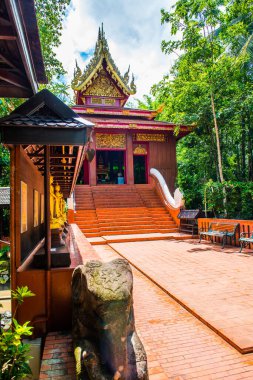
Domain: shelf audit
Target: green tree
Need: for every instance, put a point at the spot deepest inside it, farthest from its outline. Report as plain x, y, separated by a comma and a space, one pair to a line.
50, 16
210, 86
197, 21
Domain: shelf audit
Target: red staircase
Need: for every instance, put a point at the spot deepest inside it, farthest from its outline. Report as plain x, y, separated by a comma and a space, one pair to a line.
121, 210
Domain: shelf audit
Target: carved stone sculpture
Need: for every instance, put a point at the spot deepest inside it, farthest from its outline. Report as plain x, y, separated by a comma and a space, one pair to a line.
107, 346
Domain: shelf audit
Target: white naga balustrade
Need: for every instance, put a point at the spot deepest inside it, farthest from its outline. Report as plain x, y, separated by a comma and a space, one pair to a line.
175, 202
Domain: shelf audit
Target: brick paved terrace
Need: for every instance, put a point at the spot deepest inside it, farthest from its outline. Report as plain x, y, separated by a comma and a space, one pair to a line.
179, 346
214, 283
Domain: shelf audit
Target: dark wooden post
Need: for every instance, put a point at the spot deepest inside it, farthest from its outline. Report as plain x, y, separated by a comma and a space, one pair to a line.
47, 231
93, 164
47, 206
129, 160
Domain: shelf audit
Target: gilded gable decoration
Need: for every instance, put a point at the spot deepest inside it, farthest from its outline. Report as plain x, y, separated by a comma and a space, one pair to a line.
103, 86
110, 140
102, 60
140, 149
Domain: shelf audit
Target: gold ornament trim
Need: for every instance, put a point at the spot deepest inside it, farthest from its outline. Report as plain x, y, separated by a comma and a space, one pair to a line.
110, 140
157, 137
140, 150
103, 86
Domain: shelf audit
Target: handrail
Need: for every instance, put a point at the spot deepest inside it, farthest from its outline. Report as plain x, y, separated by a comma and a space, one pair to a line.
74, 201
5, 242
172, 202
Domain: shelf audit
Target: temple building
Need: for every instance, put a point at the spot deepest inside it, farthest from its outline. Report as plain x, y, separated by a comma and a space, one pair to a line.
127, 142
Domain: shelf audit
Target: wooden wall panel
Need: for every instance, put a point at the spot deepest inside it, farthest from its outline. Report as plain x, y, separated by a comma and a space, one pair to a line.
29, 174
162, 156
61, 305
44, 317
33, 309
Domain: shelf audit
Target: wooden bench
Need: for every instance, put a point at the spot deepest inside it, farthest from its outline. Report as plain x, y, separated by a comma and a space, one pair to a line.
221, 230
244, 241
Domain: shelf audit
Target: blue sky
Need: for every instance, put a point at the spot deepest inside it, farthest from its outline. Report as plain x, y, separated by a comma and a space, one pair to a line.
134, 33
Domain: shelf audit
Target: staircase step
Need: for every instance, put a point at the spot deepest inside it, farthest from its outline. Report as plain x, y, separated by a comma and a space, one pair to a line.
124, 223
88, 230
121, 210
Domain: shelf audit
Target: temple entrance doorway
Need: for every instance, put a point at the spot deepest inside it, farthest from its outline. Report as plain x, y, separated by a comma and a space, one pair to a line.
110, 167
140, 175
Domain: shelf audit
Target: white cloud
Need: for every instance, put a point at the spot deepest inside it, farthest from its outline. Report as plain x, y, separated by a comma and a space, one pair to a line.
134, 33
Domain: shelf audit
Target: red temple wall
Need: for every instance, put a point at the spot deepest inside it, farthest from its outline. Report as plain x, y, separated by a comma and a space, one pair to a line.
162, 156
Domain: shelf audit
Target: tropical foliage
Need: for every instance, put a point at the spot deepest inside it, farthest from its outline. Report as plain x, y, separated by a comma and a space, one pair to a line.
4, 265
50, 17
14, 354
210, 86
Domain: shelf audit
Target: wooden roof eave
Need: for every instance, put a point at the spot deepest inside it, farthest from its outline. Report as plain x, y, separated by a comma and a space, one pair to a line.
183, 134
24, 50
42, 135
24, 31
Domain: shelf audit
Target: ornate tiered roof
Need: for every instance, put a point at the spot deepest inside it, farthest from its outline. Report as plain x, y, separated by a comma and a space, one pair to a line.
102, 92
102, 70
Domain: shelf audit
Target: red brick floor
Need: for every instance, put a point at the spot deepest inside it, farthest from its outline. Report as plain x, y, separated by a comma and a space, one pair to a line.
216, 285
58, 361
178, 345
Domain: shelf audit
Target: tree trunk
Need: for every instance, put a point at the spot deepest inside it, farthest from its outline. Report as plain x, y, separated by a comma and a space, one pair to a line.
243, 147
219, 155
212, 152
250, 158
217, 140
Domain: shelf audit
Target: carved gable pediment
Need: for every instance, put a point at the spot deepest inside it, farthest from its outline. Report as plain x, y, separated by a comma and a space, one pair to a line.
102, 78
103, 85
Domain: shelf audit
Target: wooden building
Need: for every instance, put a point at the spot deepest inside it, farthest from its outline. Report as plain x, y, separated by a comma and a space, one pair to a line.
45, 138
128, 142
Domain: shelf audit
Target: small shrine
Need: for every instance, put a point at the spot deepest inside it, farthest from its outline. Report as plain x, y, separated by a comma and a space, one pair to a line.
127, 142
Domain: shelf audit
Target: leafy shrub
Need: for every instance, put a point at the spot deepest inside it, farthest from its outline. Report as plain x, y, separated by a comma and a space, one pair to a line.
4, 265
14, 355
239, 199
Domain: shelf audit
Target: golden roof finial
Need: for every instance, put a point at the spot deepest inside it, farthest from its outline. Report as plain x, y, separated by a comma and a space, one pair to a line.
132, 84
77, 75
126, 75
